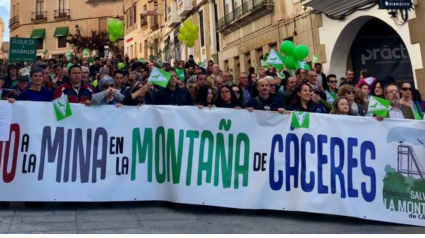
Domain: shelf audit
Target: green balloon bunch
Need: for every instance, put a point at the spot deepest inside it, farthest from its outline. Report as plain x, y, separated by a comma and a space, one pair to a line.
295, 55
188, 33
115, 29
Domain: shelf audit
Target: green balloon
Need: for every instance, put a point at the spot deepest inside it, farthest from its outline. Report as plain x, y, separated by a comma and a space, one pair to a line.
120, 24
290, 62
183, 30
297, 64
190, 44
301, 52
113, 38
278, 66
181, 38
121, 65
287, 47
189, 37
120, 33
307, 67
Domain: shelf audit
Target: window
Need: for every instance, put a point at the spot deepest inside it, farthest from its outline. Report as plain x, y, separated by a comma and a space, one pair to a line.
40, 43
134, 15
140, 47
166, 11
61, 5
201, 28
131, 17
235, 4
226, 7
39, 7
62, 42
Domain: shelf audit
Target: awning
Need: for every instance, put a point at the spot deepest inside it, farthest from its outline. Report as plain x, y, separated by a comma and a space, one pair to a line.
38, 33
61, 31
338, 8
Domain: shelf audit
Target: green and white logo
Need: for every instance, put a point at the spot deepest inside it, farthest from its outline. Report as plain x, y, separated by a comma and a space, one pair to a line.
275, 58
180, 74
62, 108
300, 120
159, 77
315, 58
378, 106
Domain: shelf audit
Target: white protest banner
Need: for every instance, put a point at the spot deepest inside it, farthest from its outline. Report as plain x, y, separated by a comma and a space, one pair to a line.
219, 157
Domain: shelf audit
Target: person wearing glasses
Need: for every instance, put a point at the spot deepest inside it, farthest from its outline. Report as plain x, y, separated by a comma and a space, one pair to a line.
407, 98
226, 98
172, 94
396, 109
109, 95
332, 90
312, 80
348, 92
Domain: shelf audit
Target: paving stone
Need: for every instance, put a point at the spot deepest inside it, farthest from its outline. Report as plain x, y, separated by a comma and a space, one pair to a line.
120, 231
25, 227
228, 220
5, 219
165, 216
117, 225
172, 224
45, 219
44, 212
104, 211
177, 230
107, 217
4, 228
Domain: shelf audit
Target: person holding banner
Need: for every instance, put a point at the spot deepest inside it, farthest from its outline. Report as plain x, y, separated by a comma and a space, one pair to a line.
6, 94
140, 95
396, 109
173, 95
12, 76
265, 101
226, 98
36, 91
407, 99
205, 97
109, 94
76, 90
303, 100
348, 92
341, 107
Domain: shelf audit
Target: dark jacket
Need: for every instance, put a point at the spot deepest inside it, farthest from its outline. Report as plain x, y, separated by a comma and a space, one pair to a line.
270, 104
407, 112
8, 93
178, 97
85, 92
44, 95
311, 107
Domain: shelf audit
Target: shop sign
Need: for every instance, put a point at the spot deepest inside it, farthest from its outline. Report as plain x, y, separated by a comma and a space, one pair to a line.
395, 4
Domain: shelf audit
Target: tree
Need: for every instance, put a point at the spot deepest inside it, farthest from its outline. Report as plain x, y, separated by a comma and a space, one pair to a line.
92, 42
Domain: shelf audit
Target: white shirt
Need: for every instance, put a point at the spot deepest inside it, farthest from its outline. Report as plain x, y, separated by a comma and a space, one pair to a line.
395, 112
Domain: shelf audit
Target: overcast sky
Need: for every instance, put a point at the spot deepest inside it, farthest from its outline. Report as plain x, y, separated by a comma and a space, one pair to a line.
5, 15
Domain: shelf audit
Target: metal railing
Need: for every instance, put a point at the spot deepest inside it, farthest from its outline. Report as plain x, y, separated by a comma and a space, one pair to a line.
14, 22
39, 16
247, 7
62, 13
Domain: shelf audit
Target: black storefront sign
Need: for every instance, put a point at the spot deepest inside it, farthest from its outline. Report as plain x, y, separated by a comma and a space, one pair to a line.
395, 4
380, 50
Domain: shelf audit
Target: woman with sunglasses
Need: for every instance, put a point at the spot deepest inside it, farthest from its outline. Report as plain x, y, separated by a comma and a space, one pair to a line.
109, 95
407, 98
348, 92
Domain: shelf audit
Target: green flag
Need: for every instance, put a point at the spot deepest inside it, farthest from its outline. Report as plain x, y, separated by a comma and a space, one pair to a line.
62, 108
68, 55
159, 77
275, 58
86, 53
264, 64
378, 106
315, 58
417, 116
202, 65
300, 120
281, 76
142, 60
180, 74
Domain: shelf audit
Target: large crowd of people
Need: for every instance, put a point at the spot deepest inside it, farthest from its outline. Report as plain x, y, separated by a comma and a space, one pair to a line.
117, 81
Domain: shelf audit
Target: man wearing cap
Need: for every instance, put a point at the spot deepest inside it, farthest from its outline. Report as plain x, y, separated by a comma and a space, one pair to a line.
109, 95
76, 89
22, 85
36, 92
6, 94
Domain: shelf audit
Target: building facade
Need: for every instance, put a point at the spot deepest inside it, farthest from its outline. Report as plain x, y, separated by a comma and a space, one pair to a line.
50, 21
152, 28
251, 28
387, 43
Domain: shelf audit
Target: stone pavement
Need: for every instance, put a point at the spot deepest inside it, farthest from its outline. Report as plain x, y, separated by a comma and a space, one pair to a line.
159, 217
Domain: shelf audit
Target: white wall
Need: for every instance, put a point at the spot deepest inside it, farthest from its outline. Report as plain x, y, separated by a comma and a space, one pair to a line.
338, 36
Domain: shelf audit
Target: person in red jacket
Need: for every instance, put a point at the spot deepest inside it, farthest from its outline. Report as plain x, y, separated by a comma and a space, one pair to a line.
77, 90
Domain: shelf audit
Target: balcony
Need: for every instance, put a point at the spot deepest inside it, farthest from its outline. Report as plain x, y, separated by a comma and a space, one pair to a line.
39, 16
184, 7
173, 17
336, 8
14, 22
62, 14
248, 12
